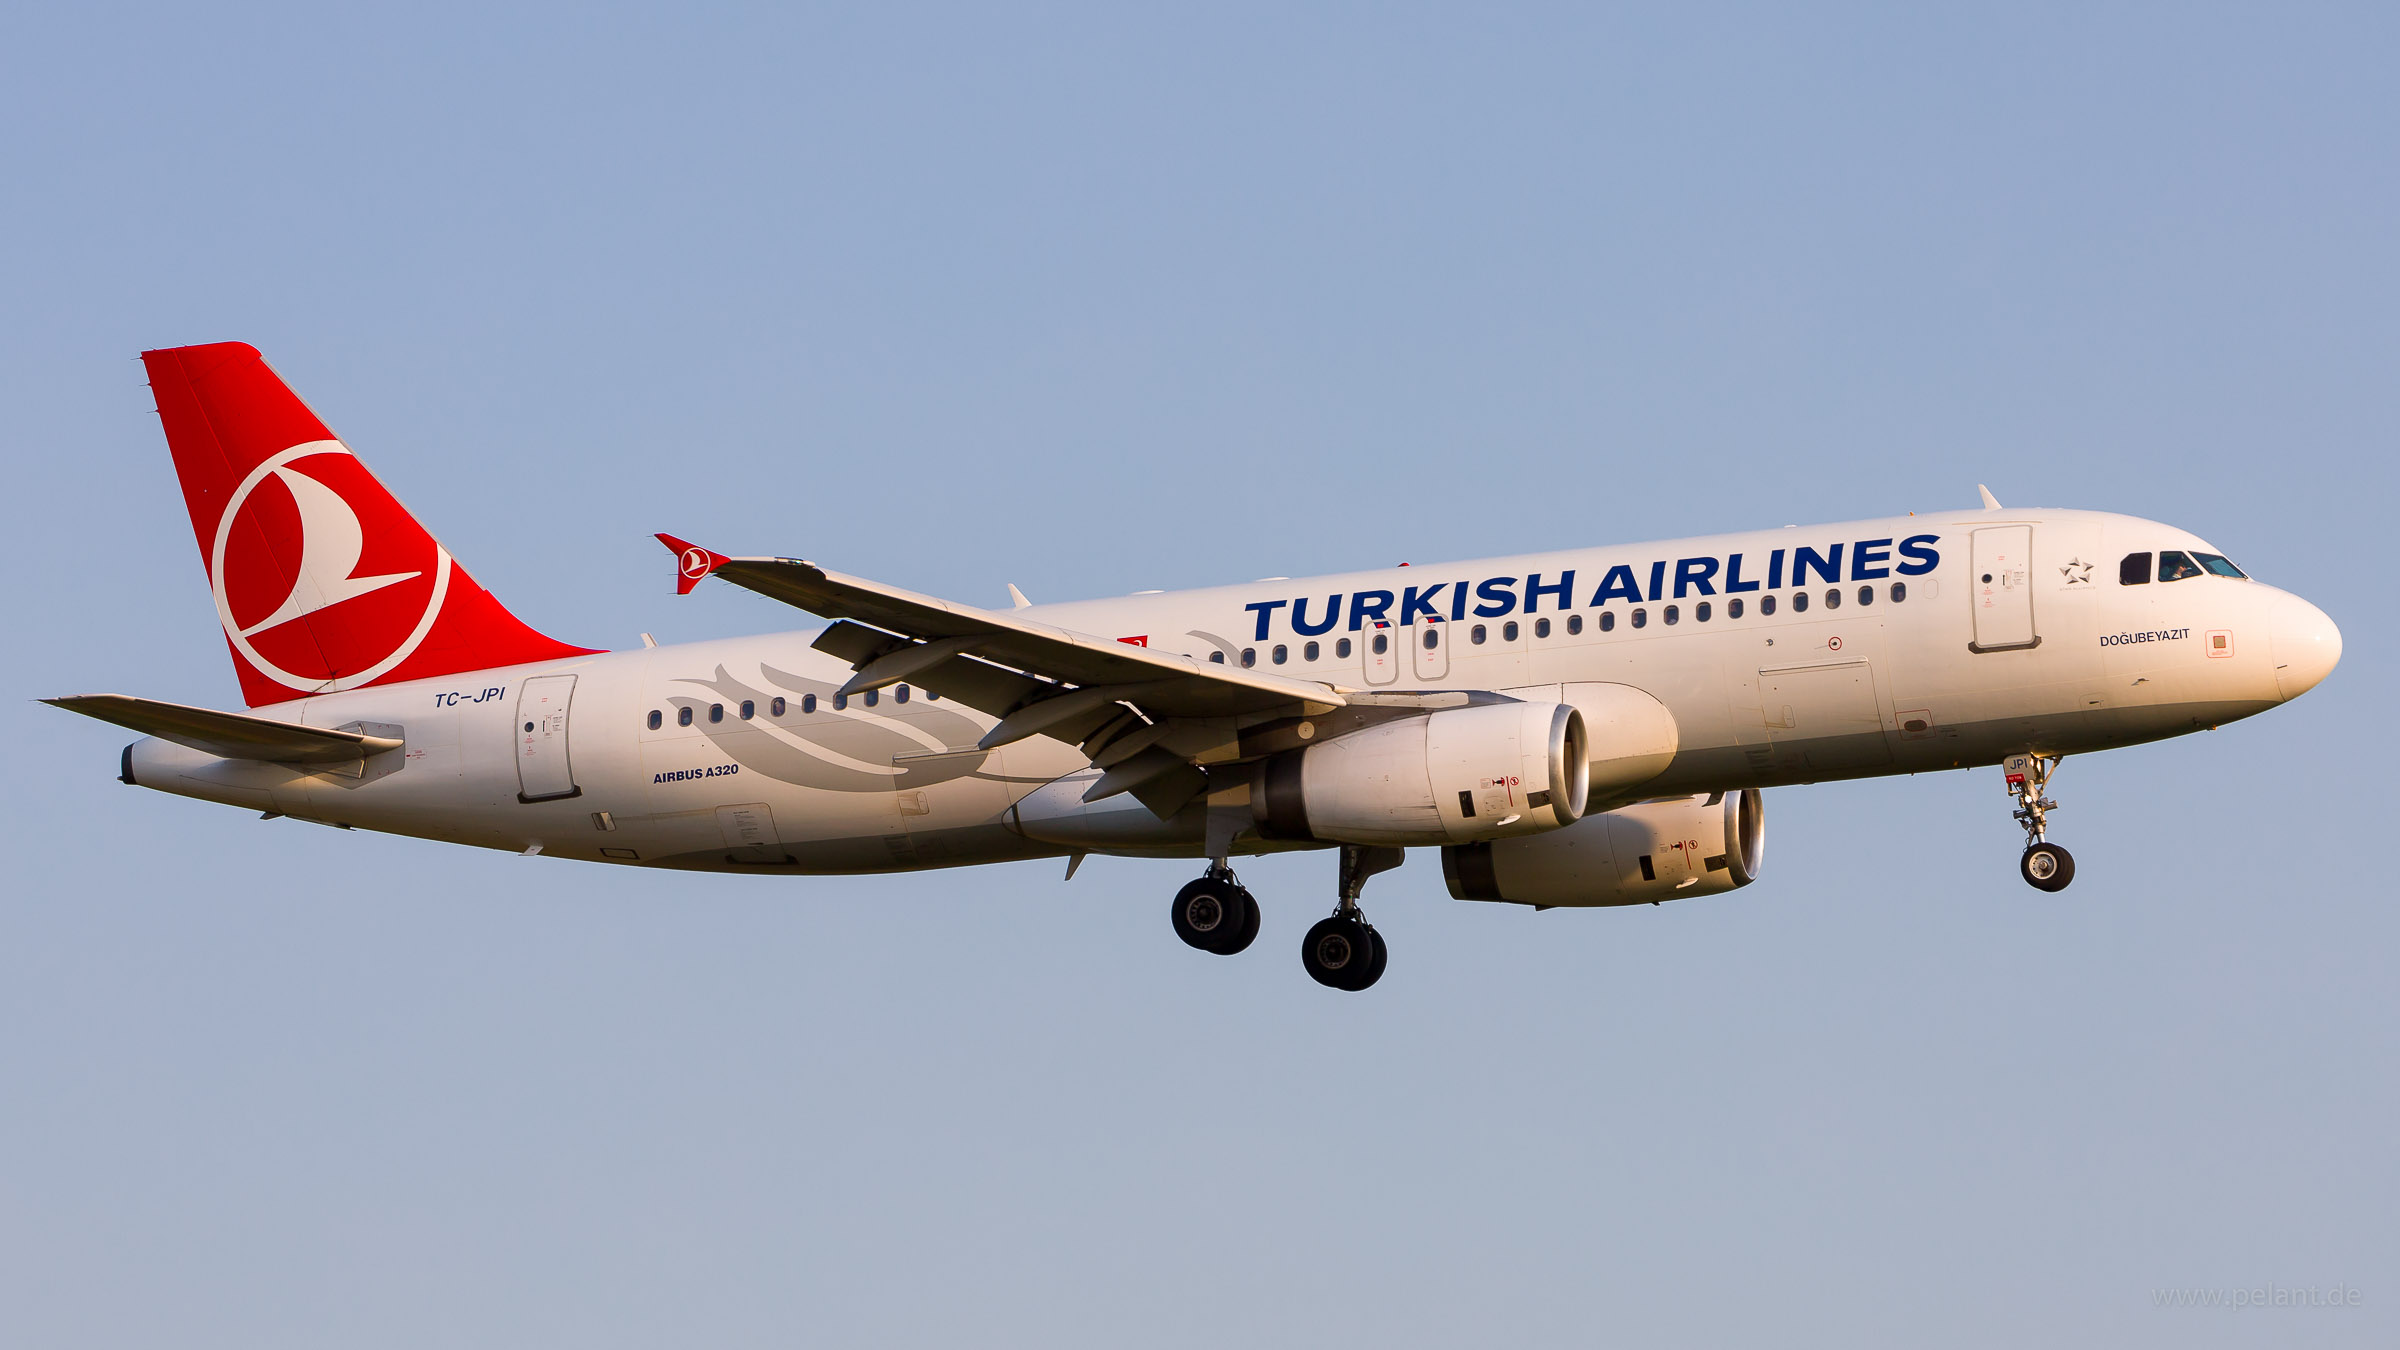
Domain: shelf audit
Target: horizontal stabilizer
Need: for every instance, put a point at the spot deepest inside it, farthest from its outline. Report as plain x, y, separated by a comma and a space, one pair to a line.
228, 735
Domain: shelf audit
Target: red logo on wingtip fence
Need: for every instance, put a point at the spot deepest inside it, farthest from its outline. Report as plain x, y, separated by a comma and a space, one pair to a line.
692, 562
264, 590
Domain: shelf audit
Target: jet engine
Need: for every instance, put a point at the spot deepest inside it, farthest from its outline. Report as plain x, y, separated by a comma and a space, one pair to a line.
1485, 771
1657, 850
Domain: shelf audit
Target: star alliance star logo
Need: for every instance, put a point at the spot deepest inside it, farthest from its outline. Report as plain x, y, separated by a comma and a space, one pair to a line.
2077, 572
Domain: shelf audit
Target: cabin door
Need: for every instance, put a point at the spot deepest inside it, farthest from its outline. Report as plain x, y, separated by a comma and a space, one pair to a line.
2001, 583
543, 772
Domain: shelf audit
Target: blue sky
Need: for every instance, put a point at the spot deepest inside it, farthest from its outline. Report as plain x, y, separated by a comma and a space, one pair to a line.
1095, 300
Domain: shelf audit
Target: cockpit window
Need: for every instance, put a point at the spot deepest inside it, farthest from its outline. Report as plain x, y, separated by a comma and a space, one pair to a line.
2218, 564
2175, 565
2135, 570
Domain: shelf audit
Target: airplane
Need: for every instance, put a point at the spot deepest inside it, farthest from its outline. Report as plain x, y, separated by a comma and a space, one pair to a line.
1583, 728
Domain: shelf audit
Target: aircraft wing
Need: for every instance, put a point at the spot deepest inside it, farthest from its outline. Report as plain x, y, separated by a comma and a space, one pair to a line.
228, 735
1036, 678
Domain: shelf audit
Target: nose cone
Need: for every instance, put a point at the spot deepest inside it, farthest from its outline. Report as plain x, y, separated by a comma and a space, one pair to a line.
2306, 645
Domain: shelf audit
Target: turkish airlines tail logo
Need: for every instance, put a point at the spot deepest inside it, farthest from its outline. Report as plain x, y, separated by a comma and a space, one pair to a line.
322, 580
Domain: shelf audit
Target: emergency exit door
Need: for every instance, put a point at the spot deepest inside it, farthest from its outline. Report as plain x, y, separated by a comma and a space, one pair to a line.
1428, 646
2001, 584
1380, 652
543, 771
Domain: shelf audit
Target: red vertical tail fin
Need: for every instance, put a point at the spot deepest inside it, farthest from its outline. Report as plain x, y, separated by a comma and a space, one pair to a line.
323, 581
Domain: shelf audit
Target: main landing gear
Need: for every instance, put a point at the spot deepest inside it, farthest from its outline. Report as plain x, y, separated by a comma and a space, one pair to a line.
1216, 913
1344, 951
2045, 865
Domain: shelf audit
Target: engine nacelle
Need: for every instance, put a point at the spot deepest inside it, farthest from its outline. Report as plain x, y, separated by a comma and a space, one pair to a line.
1658, 850
1485, 771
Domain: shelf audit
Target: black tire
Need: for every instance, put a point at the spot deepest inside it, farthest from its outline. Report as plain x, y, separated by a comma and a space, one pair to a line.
1339, 953
1247, 933
1210, 914
2047, 867
1382, 956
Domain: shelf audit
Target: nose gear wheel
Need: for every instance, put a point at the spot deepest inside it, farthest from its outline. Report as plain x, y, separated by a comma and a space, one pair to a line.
2045, 866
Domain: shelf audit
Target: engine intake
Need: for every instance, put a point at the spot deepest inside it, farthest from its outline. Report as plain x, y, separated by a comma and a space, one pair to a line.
1486, 771
1642, 854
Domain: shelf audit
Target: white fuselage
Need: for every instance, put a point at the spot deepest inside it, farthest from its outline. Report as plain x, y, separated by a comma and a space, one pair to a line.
2052, 654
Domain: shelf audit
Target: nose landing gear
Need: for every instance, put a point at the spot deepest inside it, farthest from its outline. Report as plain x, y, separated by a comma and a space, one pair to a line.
1344, 951
1216, 913
2045, 866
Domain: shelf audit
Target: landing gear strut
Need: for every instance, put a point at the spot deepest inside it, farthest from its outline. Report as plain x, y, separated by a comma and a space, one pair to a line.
2045, 865
1344, 951
1216, 913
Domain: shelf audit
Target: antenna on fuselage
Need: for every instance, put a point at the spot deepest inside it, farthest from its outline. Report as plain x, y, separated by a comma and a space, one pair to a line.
1990, 502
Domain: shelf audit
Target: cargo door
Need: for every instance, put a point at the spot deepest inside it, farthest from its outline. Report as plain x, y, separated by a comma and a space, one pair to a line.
749, 831
1829, 714
2002, 586
543, 770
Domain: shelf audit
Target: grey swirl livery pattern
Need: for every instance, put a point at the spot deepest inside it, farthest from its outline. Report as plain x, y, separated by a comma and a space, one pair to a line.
849, 751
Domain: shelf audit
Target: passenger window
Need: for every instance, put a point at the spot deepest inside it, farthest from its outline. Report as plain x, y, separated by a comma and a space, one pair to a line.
775, 709
1218, 657
749, 710
900, 693
1508, 631
2218, 565
1477, 634
1799, 602
1309, 652
931, 696
1733, 608
1541, 628
1674, 613
2135, 570
683, 716
1701, 611
841, 702
1641, 618
1433, 638
1866, 595
2175, 565
1383, 643
1341, 648
874, 696
1249, 657
1766, 604
808, 703
1282, 654
716, 712
1608, 620
655, 719
1574, 625
1899, 591
1833, 598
